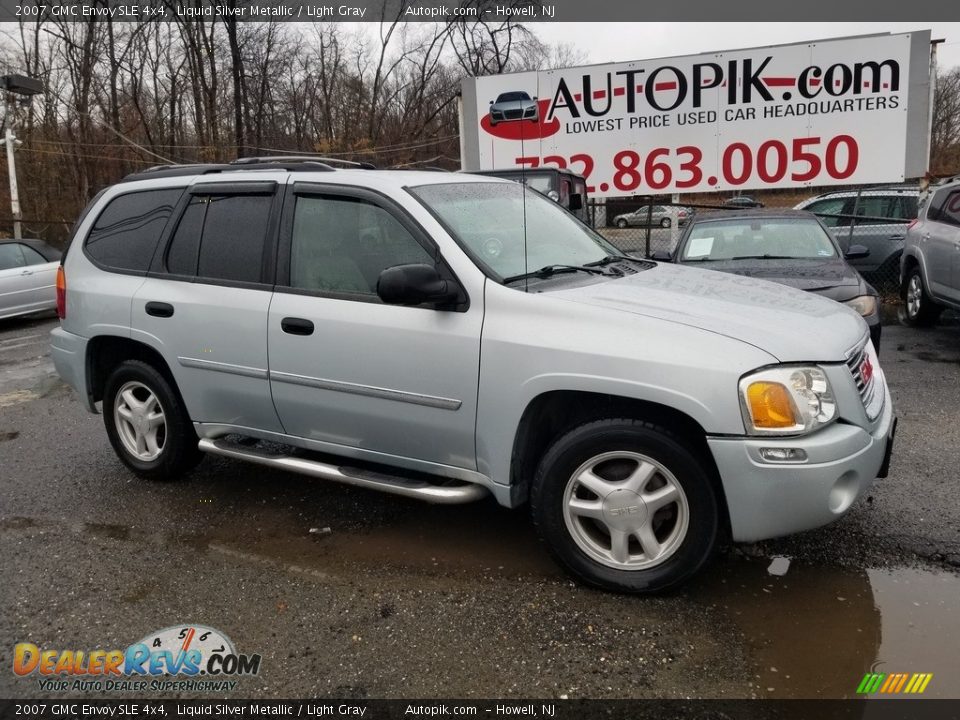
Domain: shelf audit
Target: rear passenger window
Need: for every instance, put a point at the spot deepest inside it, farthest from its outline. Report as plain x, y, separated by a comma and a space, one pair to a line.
221, 237
829, 207
127, 231
950, 209
11, 256
31, 256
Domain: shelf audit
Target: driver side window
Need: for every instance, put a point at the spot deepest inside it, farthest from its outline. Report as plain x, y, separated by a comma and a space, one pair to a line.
342, 244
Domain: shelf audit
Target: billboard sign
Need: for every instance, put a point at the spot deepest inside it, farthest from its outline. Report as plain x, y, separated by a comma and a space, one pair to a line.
852, 110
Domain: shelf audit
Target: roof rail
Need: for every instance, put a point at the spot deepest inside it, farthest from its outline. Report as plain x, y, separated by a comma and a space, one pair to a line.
163, 171
270, 159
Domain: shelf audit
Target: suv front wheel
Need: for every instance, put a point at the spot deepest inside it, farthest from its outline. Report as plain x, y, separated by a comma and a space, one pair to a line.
919, 309
624, 505
147, 424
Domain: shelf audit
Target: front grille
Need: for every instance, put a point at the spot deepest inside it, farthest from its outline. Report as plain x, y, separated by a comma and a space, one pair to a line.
870, 389
513, 114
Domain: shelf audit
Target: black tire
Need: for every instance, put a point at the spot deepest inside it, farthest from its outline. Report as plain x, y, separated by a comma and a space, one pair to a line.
621, 224
570, 451
179, 453
665, 222
925, 311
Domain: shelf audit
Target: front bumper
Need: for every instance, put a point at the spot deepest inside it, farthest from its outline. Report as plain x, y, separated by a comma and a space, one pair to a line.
767, 499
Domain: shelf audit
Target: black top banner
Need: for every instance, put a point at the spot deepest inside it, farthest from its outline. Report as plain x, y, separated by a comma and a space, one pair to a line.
431, 709
469, 10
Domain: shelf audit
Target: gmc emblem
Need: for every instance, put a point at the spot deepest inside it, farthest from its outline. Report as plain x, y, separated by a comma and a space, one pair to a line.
866, 370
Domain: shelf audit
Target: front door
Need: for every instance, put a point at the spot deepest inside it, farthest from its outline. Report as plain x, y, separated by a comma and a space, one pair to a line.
365, 378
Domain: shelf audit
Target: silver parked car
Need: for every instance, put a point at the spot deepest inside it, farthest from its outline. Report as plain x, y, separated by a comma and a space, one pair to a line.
453, 337
658, 216
28, 271
517, 105
879, 217
930, 273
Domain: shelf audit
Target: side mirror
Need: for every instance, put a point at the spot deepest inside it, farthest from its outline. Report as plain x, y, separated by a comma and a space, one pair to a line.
491, 102
415, 284
576, 201
534, 97
855, 252
662, 256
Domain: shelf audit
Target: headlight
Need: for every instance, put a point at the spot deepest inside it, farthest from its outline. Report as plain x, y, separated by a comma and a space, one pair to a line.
866, 305
554, 195
789, 400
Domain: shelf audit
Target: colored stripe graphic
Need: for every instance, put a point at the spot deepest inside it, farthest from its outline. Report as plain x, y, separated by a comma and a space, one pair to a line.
894, 683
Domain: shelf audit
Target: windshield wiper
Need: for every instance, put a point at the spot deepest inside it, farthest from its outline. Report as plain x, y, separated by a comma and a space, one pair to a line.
765, 257
548, 270
612, 259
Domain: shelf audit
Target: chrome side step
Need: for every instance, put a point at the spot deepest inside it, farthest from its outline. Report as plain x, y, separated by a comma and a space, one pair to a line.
408, 487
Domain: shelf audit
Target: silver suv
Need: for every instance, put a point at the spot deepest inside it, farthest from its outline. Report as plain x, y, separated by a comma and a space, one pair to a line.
930, 272
451, 337
882, 215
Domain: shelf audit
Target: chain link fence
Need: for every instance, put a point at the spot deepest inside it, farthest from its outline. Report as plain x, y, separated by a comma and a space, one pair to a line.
874, 217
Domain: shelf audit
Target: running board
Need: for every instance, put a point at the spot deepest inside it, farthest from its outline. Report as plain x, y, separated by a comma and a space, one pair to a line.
408, 487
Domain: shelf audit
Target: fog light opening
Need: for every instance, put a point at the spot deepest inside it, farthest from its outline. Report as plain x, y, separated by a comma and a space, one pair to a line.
783, 455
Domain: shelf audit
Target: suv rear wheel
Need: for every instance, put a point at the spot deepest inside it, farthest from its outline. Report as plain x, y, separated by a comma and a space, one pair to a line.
147, 424
919, 309
624, 505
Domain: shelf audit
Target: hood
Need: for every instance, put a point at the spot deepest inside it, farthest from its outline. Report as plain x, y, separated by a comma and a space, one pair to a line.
832, 277
791, 325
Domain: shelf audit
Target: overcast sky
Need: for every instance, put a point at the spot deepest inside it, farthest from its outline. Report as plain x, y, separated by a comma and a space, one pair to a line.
617, 42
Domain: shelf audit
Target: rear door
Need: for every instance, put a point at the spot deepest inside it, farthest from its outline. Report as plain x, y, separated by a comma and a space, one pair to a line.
365, 378
880, 226
26, 280
943, 263
205, 302
42, 293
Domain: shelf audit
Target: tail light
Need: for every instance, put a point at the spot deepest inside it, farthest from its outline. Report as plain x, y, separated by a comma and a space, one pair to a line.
912, 223
61, 293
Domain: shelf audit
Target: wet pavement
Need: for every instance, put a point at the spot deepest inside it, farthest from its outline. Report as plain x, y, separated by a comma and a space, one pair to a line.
388, 597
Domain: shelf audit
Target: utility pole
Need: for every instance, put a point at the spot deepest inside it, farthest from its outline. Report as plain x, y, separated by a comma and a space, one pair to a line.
25, 87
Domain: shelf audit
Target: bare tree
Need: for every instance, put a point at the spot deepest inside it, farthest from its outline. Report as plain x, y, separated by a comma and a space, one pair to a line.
945, 130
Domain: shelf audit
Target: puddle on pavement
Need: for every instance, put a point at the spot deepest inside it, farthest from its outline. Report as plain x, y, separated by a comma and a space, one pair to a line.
815, 631
811, 632
465, 541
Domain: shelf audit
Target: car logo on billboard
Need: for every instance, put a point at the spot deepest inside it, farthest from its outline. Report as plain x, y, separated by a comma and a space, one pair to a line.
524, 127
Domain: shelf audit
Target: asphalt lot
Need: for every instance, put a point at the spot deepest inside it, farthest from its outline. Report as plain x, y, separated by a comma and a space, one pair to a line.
393, 598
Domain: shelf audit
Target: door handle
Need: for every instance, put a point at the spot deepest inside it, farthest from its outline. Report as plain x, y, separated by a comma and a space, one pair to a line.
26, 272
160, 309
897, 237
296, 326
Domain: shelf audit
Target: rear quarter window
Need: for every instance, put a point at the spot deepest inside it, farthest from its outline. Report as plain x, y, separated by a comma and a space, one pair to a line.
126, 233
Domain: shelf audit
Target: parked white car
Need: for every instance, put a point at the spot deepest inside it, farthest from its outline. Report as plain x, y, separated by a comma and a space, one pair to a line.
28, 271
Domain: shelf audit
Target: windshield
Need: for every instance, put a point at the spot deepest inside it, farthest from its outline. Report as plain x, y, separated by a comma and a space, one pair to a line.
488, 220
512, 97
793, 238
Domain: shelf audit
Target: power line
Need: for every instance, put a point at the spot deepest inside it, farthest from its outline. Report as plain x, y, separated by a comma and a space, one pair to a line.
84, 155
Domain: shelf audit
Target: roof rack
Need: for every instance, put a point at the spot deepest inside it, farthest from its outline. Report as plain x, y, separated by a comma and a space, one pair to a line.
164, 171
283, 159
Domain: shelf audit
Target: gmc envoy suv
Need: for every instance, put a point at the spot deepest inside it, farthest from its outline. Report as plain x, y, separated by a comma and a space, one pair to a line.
449, 337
